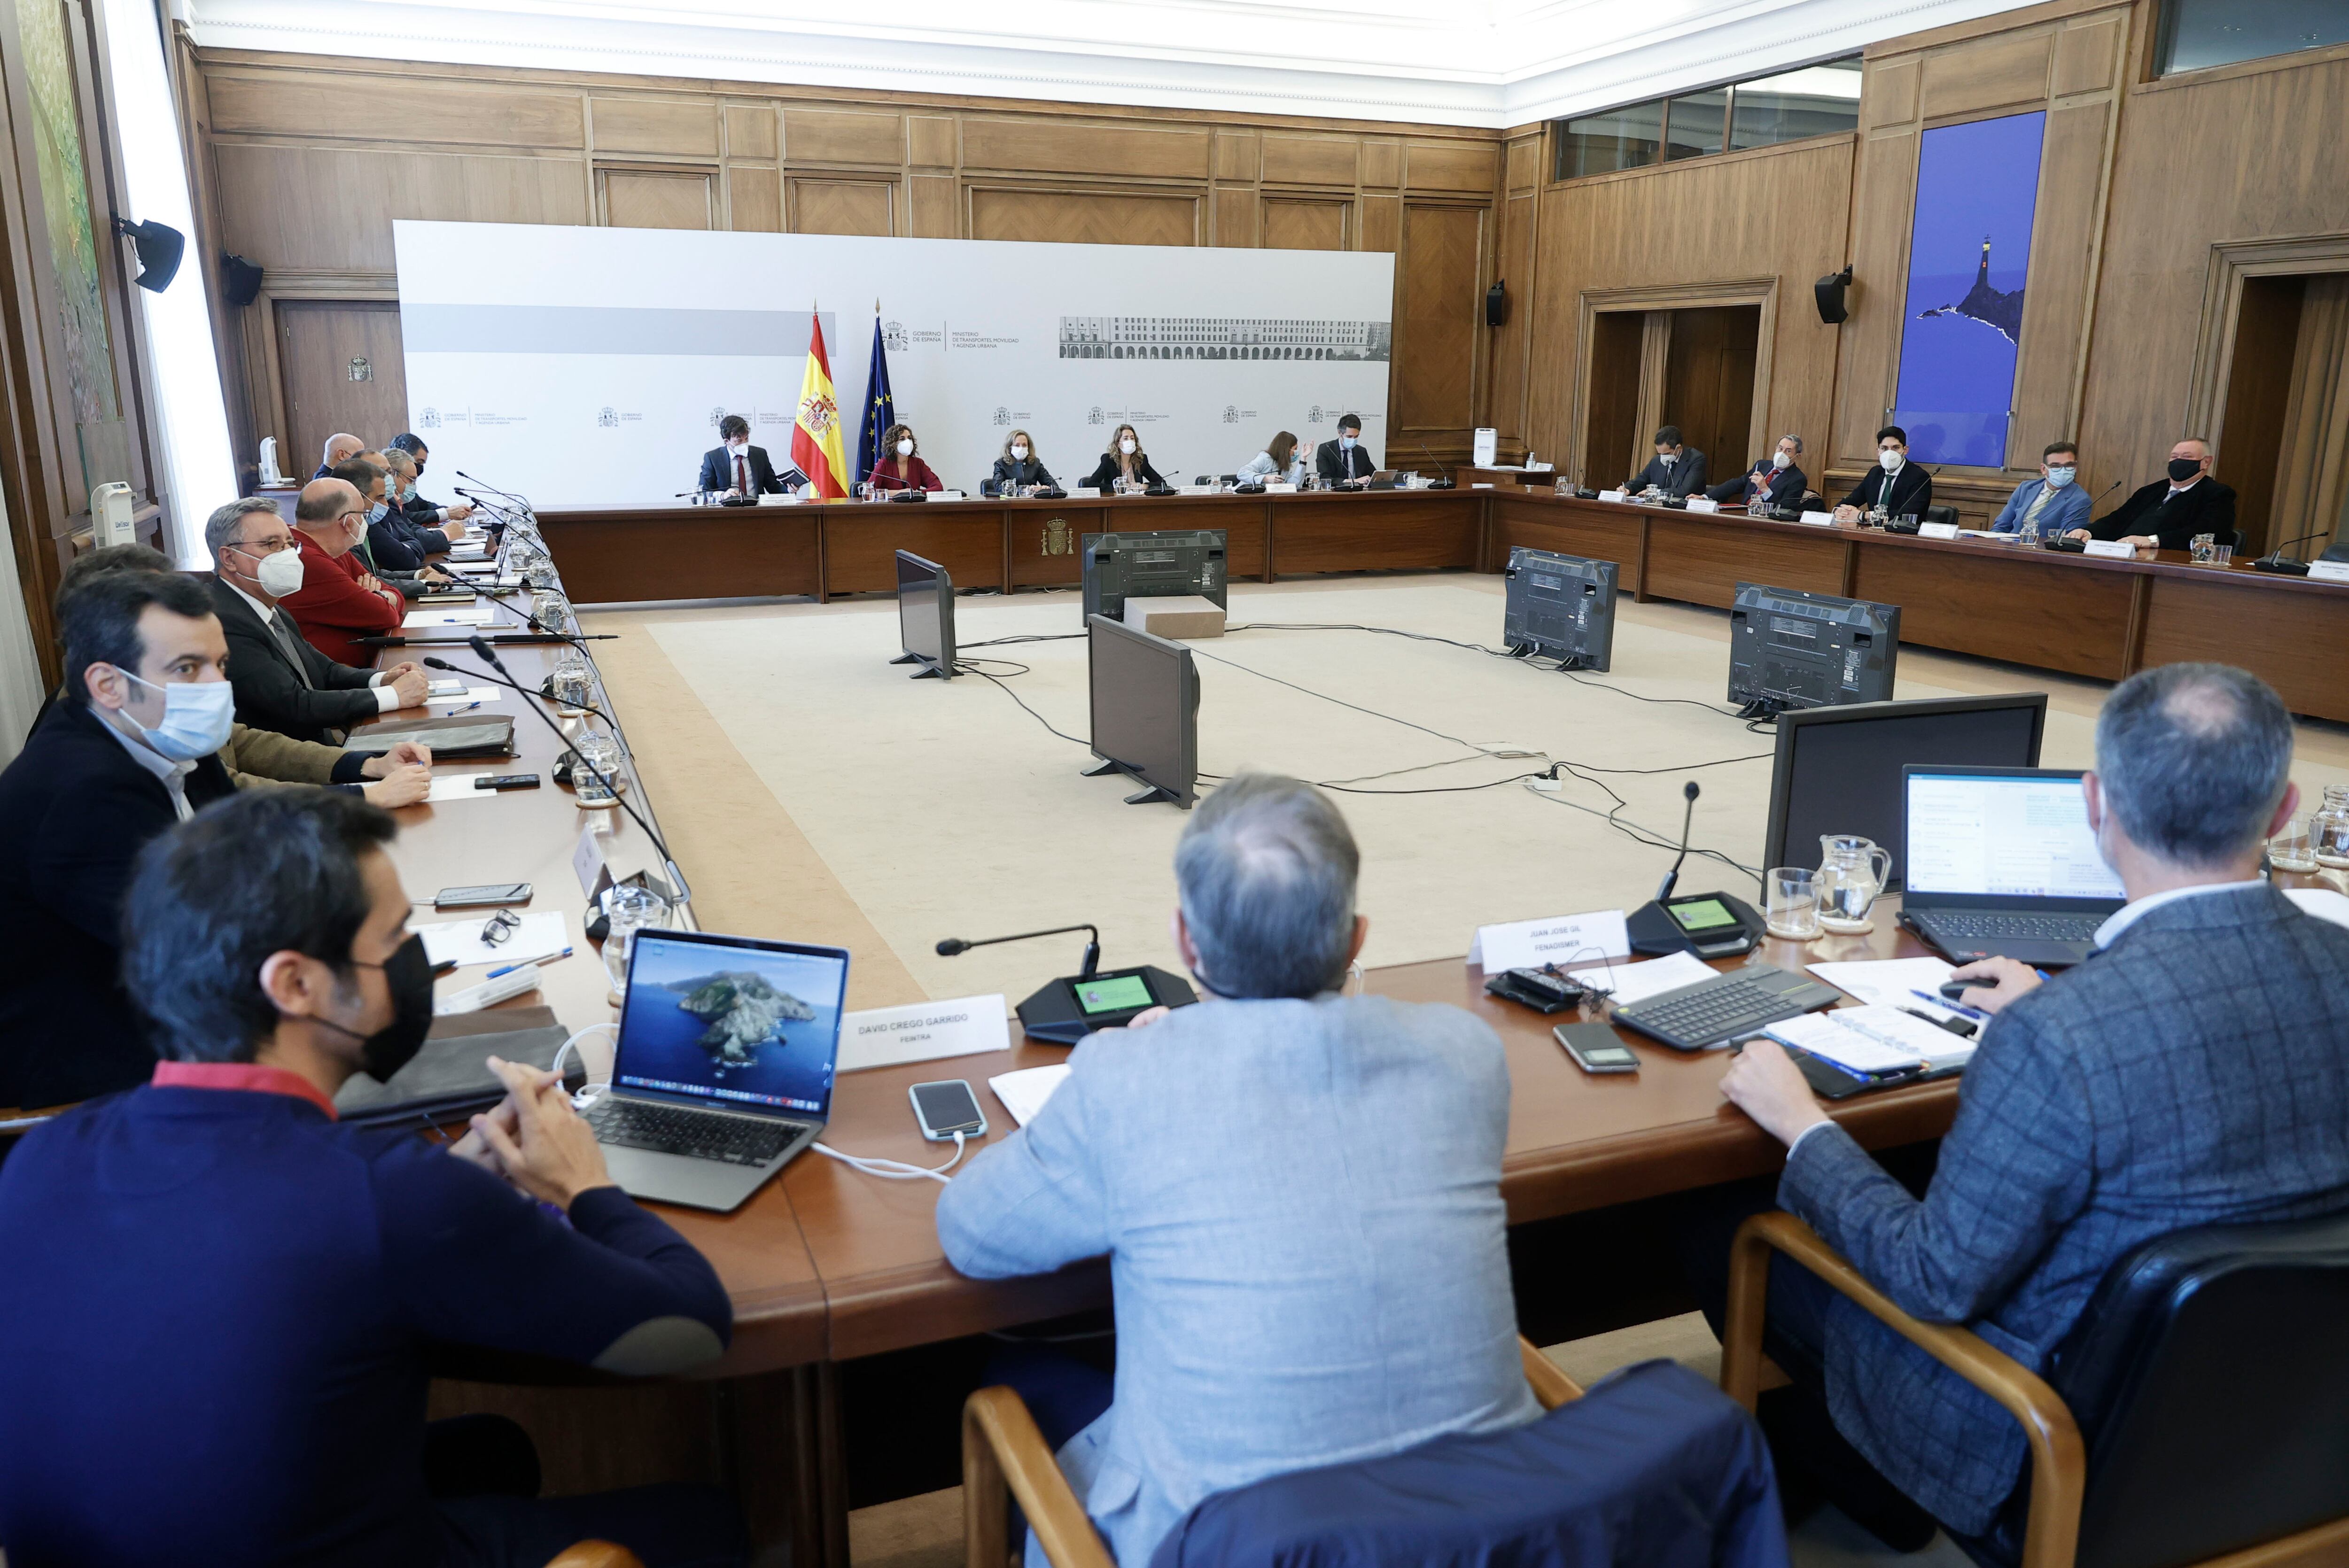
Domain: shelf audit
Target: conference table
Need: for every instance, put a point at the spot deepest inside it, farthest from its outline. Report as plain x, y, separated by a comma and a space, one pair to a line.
2076, 614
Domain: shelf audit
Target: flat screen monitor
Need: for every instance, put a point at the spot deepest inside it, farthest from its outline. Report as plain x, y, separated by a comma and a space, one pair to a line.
1560, 606
1156, 564
925, 616
1838, 769
1145, 709
1789, 648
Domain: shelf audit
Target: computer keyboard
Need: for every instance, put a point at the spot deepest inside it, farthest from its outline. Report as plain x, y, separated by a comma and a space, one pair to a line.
1977, 925
1740, 1001
696, 1134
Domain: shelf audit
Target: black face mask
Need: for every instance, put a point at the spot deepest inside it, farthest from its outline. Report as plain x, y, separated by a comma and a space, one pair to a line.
2183, 469
408, 974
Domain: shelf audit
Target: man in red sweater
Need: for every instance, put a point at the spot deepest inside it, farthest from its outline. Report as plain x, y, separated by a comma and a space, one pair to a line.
339, 600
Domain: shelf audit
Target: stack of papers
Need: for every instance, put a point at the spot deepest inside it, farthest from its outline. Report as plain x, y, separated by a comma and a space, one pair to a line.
1873, 1042
1892, 982
449, 615
1628, 983
1023, 1093
539, 935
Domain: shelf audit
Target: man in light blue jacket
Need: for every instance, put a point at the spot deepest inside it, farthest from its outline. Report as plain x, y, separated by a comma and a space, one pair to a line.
1298, 1191
2054, 502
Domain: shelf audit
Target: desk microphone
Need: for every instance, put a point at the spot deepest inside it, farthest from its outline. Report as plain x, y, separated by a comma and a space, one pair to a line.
2273, 560
1688, 817
494, 491
1091, 965
1708, 924
1066, 1010
1436, 461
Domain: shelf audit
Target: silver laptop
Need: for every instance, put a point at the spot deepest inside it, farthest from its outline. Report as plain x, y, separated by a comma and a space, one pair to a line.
723, 1068
1999, 863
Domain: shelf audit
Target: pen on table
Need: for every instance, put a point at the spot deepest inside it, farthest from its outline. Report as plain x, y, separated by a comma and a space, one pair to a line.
1959, 1007
545, 958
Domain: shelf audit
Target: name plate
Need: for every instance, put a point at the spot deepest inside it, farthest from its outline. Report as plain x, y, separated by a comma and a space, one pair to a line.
921, 1032
949, 495
1612, 495
1561, 940
1700, 504
1271, 487
789, 498
1089, 492
2328, 571
1937, 531
2110, 549
1820, 519
1202, 489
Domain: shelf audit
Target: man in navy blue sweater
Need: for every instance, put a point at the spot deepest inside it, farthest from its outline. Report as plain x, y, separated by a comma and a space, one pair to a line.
218, 1304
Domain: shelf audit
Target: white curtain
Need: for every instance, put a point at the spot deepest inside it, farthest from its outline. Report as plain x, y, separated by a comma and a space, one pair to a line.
20, 671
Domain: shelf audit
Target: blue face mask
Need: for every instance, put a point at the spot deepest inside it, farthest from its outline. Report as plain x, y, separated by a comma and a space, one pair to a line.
1345, 443
377, 512
197, 715
2058, 478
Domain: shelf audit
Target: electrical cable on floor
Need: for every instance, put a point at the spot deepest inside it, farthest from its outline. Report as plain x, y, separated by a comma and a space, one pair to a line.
998, 683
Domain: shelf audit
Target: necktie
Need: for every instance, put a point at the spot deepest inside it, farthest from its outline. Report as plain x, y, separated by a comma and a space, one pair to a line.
285, 635
2036, 503
741, 473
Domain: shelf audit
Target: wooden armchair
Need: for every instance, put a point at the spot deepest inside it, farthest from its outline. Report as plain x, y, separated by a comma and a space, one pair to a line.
2059, 1475
1003, 1454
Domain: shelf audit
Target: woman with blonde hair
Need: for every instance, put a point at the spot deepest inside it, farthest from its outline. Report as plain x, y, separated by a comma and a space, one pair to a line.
1020, 469
901, 466
1125, 460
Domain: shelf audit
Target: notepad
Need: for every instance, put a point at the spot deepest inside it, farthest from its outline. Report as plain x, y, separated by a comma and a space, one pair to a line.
1628, 983
1873, 1041
449, 615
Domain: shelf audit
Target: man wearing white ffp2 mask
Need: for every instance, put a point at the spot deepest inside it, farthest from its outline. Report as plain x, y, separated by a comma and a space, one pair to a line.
1904, 489
1776, 480
736, 468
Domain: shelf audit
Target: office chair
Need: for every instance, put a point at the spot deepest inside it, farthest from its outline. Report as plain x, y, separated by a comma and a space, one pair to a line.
2198, 1414
1004, 1453
1947, 514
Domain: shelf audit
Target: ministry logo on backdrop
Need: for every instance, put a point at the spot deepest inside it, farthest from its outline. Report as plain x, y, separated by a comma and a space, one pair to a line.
893, 338
1313, 414
1002, 416
1231, 413
1095, 417
429, 418
716, 415
609, 418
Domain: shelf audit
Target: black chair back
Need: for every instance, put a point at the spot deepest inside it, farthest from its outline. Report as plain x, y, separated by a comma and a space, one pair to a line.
2210, 1376
1947, 514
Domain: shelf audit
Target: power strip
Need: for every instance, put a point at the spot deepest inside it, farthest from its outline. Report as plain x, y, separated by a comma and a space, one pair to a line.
488, 993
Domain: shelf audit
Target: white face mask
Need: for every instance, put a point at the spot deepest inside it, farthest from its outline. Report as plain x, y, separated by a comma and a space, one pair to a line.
1020, 454
1126, 446
738, 444
1779, 459
905, 448
1891, 458
280, 575
197, 715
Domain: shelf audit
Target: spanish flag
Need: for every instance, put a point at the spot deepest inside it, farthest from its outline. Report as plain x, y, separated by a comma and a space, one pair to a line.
815, 435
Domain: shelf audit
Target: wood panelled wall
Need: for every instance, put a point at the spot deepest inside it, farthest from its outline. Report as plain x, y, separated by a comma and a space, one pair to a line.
307, 161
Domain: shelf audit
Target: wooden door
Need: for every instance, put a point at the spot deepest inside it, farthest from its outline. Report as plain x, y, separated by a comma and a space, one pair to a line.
1441, 321
1709, 383
341, 370
1612, 442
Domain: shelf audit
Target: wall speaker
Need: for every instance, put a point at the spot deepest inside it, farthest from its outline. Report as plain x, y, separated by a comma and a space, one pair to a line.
240, 279
1497, 304
1829, 290
160, 245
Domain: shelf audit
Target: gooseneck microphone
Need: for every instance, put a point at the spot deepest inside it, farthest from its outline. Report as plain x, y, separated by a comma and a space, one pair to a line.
2276, 561
954, 945
1672, 877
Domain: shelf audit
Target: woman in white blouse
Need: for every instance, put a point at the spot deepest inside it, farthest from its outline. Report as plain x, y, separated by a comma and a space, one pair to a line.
1279, 461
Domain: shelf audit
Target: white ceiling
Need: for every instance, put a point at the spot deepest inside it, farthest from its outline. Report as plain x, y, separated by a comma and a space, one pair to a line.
1493, 62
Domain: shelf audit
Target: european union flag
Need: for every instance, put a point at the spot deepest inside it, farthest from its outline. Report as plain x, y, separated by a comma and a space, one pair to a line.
880, 407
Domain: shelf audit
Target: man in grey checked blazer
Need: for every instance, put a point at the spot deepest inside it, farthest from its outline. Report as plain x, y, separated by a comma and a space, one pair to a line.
2194, 1071
1298, 1191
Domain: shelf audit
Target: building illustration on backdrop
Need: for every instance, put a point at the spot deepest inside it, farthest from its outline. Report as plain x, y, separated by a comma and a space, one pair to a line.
1223, 337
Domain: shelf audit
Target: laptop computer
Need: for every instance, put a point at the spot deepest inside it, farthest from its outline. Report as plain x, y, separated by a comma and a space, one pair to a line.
2000, 863
723, 1068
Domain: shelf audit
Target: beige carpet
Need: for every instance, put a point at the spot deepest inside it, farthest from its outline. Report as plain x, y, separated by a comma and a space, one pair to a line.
813, 791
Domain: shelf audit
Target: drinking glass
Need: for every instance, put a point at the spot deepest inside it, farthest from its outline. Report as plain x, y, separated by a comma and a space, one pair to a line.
630, 910
2294, 848
595, 752
571, 683
2222, 555
1794, 902
550, 610
541, 574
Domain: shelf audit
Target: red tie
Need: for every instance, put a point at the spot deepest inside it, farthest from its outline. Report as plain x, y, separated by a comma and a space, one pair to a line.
741, 473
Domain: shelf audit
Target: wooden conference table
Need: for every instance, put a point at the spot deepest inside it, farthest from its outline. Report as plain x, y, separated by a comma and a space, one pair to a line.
2072, 613
826, 1266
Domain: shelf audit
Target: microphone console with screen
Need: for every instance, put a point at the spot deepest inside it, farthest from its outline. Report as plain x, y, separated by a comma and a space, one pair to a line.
1708, 924
2275, 560
1066, 1010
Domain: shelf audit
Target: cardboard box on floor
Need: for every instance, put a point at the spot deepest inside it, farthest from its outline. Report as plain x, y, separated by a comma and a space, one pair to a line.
1178, 616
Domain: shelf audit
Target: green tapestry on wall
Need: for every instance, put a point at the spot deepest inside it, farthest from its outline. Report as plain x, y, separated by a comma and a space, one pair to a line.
102, 439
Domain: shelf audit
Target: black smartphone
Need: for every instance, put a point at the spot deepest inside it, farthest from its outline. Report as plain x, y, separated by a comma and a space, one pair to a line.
1595, 1048
482, 896
946, 1108
507, 781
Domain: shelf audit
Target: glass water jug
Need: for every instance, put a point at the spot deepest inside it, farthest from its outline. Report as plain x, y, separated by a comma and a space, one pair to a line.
1851, 875
2328, 830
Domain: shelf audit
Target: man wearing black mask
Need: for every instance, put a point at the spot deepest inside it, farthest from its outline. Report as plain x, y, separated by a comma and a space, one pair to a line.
2168, 512
236, 1297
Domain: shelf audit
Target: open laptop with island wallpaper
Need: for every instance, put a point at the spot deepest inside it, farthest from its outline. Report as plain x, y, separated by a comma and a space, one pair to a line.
723, 1068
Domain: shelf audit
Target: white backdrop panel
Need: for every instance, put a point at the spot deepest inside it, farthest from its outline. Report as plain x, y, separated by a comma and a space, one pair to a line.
583, 365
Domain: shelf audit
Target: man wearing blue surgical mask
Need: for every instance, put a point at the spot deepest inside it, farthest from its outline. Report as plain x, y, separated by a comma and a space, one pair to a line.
2050, 505
127, 753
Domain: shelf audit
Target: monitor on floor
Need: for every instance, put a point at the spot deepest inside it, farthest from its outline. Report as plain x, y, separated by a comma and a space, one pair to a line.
1560, 607
1838, 769
1158, 564
925, 616
1145, 709
1789, 648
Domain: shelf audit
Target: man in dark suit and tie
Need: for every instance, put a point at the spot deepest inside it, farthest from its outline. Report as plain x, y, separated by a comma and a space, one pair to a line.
2168, 512
1675, 471
738, 468
1904, 488
125, 754
1342, 460
281, 683
1775, 479
2189, 1073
